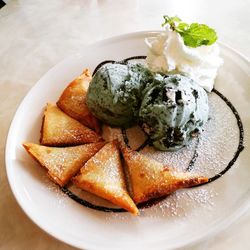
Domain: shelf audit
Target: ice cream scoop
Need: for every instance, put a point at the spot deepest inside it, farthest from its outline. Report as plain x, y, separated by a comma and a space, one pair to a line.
115, 92
173, 111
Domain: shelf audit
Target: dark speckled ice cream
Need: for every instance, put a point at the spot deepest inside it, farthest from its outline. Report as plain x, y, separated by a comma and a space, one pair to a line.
173, 111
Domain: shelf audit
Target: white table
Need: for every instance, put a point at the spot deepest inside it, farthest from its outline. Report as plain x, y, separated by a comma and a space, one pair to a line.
35, 35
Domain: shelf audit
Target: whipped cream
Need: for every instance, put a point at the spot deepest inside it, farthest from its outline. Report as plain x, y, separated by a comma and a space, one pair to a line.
167, 53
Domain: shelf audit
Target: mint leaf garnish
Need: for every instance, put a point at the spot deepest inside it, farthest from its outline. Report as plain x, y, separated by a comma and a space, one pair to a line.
193, 35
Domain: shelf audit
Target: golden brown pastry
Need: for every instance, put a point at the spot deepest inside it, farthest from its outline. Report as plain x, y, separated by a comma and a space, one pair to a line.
62, 163
103, 176
73, 101
59, 129
150, 179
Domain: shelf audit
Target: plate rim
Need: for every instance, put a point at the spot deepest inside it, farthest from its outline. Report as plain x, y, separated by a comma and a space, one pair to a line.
219, 226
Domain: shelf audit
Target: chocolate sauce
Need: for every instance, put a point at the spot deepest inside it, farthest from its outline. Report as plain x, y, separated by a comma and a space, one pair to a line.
101, 64
88, 204
241, 139
126, 141
147, 143
125, 61
195, 156
85, 203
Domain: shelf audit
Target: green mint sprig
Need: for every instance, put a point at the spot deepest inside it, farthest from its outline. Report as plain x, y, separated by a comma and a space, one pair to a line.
194, 35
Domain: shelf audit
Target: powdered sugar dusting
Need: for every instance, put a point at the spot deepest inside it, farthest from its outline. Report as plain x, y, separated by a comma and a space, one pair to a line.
182, 202
215, 147
219, 140
60, 200
178, 205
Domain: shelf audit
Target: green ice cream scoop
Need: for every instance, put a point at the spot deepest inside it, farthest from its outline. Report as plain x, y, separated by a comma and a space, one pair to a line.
173, 111
115, 93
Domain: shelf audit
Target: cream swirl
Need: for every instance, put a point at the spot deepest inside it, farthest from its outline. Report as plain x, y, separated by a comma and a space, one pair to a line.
167, 53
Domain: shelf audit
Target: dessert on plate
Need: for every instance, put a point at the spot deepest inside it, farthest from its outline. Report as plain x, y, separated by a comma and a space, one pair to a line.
165, 95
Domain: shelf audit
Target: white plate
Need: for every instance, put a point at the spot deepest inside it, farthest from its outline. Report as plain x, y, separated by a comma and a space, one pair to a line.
185, 218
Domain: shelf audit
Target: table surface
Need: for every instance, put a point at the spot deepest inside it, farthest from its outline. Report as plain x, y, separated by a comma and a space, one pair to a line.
36, 35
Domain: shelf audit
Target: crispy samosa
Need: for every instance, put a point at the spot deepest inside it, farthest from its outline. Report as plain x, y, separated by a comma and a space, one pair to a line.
103, 176
73, 101
59, 129
151, 179
62, 163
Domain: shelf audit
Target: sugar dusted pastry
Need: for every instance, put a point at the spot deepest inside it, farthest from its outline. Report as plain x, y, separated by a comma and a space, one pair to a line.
62, 163
103, 176
151, 179
59, 129
73, 101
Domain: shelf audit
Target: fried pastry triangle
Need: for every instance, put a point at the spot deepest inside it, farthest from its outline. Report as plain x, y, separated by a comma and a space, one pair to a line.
103, 176
150, 179
59, 129
62, 163
73, 101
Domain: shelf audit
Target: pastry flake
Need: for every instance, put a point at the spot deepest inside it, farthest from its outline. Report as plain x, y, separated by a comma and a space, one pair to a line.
62, 163
59, 129
73, 101
103, 176
150, 179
